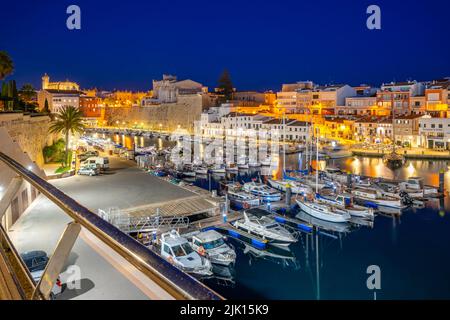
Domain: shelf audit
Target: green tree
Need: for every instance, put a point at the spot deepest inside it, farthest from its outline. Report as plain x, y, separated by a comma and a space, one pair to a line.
68, 121
46, 107
225, 85
27, 92
6, 65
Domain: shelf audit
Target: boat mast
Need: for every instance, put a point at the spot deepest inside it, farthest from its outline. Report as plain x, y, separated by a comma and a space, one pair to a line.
317, 163
284, 142
393, 129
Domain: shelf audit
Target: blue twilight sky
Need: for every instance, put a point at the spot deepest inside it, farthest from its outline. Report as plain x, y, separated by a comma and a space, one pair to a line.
126, 44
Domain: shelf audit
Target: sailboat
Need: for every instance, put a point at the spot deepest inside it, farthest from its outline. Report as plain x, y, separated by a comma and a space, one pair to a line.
393, 159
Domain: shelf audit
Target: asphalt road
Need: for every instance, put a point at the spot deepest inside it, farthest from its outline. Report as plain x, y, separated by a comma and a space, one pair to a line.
104, 275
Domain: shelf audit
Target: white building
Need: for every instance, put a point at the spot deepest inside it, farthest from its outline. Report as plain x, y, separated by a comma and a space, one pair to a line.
59, 98
434, 133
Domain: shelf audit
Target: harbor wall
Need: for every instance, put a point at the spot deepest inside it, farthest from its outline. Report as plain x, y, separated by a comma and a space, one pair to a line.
166, 117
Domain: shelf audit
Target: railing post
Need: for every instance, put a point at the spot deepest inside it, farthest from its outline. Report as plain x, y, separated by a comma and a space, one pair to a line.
10, 192
57, 260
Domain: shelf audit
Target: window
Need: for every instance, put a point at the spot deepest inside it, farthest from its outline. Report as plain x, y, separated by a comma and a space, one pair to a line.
166, 249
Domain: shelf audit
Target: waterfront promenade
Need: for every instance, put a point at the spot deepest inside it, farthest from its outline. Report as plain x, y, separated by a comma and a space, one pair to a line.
409, 153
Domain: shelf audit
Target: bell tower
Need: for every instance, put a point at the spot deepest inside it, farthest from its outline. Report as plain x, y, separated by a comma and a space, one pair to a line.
45, 81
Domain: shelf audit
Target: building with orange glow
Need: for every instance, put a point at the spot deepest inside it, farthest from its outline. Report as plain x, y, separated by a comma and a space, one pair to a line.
396, 96
437, 97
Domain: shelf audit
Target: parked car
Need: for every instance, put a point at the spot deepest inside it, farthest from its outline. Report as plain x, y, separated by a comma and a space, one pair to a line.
102, 162
88, 171
87, 155
36, 261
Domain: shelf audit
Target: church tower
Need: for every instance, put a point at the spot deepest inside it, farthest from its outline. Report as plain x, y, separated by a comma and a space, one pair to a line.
45, 81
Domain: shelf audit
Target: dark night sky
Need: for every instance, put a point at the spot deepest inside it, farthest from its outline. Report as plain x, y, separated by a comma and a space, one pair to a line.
126, 44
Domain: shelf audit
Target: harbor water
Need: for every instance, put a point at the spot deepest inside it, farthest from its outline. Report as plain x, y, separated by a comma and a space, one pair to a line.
410, 249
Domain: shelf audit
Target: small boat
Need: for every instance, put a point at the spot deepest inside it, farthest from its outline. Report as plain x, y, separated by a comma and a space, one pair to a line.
243, 166
201, 170
323, 224
345, 201
254, 164
178, 251
211, 244
266, 162
323, 211
296, 187
415, 187
394, 160
263, 226
374, 198
218, 169
263, 191
242, 199
232, 167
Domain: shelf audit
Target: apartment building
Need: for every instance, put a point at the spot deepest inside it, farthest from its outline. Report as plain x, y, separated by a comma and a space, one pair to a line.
434, 133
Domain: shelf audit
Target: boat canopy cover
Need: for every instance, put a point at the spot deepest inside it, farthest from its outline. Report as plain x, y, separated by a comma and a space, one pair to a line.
258, 212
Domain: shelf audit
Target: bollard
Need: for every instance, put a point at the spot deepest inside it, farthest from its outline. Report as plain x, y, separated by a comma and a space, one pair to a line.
441, 181
224, 216
288, 195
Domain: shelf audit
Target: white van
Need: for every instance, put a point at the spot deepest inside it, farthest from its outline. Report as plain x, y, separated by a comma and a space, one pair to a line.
101, 162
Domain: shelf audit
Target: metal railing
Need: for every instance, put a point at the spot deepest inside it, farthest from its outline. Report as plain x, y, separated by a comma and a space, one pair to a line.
175, 282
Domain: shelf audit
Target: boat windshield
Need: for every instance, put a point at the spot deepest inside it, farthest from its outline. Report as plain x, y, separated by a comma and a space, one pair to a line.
182, 250
213, 244
272, 226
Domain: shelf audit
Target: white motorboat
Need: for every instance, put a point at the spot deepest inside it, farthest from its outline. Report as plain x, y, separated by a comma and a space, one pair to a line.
323, 224
345, 201
296, 187
201, 170
264, 227
374, 198
254, 164
211, 244
242, 199
218, 169
323, 211
232, 167
179, 252
415, 187
263, 191
243, 166
266, 162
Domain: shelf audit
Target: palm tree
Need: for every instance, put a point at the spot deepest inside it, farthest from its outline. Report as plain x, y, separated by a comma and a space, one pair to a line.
68, 120
6, 65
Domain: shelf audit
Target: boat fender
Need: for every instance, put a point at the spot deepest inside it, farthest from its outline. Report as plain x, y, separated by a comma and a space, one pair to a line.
201, 251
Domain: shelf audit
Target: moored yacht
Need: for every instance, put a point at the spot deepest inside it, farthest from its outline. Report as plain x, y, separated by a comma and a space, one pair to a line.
211, 244
323, 211
345, 201
257, 222
243, 200
296, 187
179, 252
263, 191
373, 197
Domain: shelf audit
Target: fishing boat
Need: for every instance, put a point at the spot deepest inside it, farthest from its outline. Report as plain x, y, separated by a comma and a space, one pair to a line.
323, 211
211, 244
258, 223
374, 197
345, 201
263, 191
393, 159
296, 187
178, 251
242, 199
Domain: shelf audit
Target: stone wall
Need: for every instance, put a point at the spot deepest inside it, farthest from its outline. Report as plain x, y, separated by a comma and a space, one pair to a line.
182, 113
30, 133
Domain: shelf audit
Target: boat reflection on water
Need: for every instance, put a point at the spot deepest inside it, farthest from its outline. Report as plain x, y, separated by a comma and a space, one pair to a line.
362, 222
223, 275
279, 255
322, 224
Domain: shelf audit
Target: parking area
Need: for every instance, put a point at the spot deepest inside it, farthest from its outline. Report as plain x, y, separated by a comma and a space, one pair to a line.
103, 275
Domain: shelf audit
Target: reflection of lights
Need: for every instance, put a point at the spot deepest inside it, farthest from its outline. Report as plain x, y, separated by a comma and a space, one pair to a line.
30, 167
411, 169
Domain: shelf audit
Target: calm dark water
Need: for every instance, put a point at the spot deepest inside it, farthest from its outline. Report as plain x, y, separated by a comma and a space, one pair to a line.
411, 249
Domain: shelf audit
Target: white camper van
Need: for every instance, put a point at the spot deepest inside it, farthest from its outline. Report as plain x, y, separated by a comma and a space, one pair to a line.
101, 162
